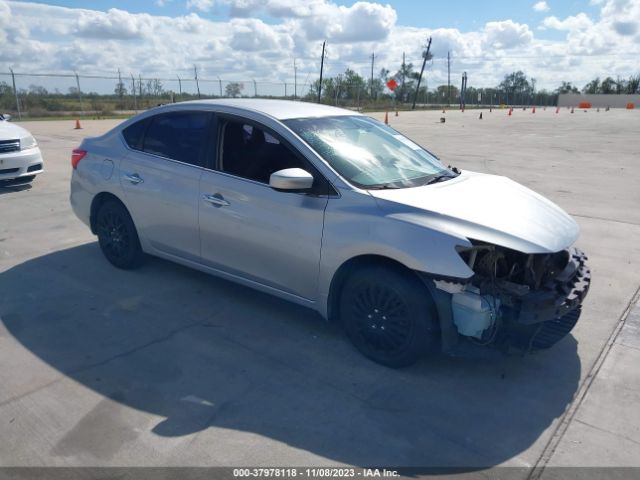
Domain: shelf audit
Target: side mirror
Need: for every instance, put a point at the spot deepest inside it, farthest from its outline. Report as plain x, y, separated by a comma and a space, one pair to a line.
291, 179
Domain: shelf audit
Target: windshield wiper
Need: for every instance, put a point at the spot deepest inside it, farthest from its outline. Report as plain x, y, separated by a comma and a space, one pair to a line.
382, 186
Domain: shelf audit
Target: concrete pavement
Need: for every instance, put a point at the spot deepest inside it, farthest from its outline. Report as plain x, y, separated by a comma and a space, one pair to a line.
167, 366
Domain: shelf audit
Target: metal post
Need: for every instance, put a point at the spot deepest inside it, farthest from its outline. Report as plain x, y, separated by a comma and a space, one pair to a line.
321, 68
448, 79
295, 80
133, 90
255, 88
285, 89
15, 92
220, 81
179, 84
79, 92
373, 57
195, 74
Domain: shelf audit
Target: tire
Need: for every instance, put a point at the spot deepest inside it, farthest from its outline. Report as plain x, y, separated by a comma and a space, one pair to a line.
118, 237
388, 315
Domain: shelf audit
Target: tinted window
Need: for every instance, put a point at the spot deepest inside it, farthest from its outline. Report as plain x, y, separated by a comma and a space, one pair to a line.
133, 134
179, 136
250, 152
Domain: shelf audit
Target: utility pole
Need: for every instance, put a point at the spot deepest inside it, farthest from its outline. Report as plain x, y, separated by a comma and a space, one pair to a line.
79, 92
403, 78
321, 67
133, 90
373, 58
295, 80
425, 54
179, 85
463, 91
448, 78
195, 74
120, 86
15, 92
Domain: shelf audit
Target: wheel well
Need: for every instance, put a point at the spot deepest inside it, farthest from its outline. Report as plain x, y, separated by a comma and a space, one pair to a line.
97, 202
354, 264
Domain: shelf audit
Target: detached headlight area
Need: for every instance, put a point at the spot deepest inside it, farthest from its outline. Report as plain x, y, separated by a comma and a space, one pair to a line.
525, 301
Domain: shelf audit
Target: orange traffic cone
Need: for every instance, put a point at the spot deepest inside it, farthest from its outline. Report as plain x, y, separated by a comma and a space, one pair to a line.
533, 110
557, 109
386, 118
78, 127
510, 111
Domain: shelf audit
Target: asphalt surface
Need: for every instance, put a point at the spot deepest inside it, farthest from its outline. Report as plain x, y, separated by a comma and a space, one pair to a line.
168, 366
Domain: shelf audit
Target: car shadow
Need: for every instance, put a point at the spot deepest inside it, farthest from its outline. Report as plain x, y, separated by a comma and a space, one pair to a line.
12, 186
202, 352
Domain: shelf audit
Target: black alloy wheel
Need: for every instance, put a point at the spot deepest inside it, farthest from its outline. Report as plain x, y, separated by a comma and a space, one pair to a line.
388, 315
117, 236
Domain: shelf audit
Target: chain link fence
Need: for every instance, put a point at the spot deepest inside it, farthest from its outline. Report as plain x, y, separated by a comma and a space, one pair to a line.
42, 95
30, 95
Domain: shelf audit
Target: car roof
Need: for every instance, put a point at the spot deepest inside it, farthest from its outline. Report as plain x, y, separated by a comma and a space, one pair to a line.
280, 109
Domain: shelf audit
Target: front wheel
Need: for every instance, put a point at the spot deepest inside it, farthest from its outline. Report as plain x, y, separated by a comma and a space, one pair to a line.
117, 236
388, 315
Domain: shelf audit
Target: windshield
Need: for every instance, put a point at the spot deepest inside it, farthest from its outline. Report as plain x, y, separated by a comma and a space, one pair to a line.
368, 153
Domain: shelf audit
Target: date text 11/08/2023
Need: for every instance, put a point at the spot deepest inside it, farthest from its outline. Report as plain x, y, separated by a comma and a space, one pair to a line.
322, 472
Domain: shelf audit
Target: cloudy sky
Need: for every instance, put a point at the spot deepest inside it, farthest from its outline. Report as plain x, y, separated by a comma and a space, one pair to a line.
554, 40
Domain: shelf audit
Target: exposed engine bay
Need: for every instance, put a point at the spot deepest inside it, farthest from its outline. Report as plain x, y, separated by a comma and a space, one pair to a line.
526, 301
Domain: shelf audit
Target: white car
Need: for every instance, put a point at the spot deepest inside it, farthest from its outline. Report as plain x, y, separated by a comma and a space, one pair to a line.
20, 157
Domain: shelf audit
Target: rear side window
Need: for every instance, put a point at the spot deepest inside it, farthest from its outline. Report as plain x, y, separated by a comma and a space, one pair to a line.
178, 136
133, 134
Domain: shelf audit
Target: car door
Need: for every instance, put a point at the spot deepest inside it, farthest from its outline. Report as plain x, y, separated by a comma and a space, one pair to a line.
249, 229
160, 177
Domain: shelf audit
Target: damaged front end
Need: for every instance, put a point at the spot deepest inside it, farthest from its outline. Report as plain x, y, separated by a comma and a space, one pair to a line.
514, 300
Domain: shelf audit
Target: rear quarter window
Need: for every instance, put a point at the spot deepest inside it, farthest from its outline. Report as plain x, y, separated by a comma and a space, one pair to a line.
134, 133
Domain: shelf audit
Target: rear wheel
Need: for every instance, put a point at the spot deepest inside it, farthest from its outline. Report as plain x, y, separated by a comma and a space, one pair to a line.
118, 237
388, 315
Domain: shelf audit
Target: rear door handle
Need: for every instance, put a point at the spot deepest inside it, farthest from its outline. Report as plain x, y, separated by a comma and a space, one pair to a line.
134, 178
216, 200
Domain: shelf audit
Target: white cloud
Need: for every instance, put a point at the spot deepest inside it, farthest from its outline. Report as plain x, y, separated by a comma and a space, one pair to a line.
577, 22
541, 7
507, 34
201, 5
36, 37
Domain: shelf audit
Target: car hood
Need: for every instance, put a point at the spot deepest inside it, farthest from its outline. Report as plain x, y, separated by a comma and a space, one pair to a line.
10, 131
484, 207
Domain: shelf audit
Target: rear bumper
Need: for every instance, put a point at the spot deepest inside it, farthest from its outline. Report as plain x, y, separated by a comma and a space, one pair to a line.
21, 164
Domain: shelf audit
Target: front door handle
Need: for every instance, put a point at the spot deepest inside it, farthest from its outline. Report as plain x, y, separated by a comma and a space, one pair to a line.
216, 200
134, 178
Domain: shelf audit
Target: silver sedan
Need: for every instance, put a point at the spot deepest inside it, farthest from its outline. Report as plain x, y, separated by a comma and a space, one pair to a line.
340, 213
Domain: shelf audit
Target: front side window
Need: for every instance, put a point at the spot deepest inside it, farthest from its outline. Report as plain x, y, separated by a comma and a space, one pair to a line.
367, 153
250, 152
178, 136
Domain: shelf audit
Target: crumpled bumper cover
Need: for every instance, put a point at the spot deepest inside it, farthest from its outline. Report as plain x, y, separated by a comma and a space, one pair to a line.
558, 296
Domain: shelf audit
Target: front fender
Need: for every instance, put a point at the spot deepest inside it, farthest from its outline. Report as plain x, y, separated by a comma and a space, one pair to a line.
355, 226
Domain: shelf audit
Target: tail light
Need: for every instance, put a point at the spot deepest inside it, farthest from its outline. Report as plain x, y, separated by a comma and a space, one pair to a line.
76, 156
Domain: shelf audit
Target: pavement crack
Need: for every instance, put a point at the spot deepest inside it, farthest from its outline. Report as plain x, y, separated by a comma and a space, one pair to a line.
607, 431
571, 411
593, 217
131, 351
